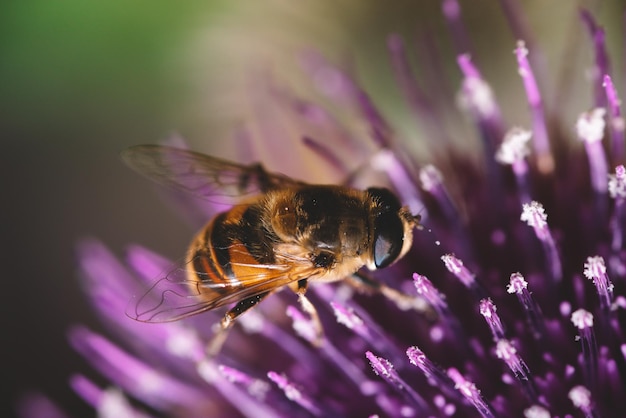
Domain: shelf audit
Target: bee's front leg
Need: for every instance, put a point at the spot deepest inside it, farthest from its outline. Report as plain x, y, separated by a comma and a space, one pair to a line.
402, 300
217, 341
309, 308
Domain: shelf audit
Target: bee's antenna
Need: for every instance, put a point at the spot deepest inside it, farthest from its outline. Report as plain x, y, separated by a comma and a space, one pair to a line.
416, 221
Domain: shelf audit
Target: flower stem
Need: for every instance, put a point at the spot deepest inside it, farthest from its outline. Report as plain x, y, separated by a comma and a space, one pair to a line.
616, 121
519, 286
602, 63
583, 320
471, 393
545, 160
383, 368
534, 215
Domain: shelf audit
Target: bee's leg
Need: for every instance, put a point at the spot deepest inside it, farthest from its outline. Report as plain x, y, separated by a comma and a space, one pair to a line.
309, 308
215, 345
402, 300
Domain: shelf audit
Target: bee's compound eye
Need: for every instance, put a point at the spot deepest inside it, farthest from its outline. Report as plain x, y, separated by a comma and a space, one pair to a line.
388, 238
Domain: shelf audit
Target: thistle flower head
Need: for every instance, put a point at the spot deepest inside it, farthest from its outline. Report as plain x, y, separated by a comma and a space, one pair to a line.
514, 324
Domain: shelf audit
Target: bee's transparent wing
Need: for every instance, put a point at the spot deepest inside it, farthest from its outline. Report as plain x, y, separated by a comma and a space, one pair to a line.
202, 175
176, 296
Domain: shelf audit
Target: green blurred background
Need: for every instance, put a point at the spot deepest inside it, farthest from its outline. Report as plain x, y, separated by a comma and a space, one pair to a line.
80, 81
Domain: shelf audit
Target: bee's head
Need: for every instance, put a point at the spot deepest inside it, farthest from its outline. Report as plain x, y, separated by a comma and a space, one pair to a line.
393, 228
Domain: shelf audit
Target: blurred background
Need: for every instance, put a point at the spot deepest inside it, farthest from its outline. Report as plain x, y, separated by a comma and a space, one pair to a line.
80, 81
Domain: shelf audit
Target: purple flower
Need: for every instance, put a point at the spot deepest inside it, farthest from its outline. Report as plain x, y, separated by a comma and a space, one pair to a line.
521, 258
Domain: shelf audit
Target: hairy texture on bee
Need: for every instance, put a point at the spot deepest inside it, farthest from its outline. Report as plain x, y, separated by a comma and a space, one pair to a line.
323, 229
290, 234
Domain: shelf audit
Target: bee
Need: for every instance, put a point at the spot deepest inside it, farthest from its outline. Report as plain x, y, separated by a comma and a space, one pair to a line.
280, 232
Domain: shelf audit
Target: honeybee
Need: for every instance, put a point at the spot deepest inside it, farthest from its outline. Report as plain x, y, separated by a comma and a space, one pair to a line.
280, 232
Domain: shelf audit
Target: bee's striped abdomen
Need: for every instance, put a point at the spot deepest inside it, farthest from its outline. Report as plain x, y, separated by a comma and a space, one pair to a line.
231, 248
207, 264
